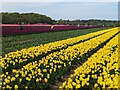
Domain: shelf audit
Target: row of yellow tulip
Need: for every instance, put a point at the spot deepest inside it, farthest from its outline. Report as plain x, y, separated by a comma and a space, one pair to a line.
100, 71
16, 59
39, 74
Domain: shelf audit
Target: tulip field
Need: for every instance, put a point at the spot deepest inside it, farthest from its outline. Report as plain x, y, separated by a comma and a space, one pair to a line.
17, 42
95, 56
37, 28
100, 70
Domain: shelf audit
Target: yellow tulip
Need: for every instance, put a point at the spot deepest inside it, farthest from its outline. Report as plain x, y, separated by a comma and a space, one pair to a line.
15, 86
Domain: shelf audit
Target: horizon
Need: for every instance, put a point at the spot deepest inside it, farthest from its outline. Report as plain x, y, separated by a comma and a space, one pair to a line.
66, 10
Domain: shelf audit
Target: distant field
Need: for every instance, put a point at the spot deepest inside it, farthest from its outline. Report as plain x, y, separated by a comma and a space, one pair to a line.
13, 43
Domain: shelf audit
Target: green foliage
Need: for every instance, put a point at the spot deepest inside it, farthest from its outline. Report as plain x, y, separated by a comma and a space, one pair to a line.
32, 18
94, 22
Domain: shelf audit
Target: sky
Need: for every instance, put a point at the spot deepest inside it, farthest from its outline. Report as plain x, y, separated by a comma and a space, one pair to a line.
59, 0
66, 10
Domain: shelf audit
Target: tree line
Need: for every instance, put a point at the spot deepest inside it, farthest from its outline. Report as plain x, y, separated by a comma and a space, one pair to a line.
32, 18
35, 18
93, 22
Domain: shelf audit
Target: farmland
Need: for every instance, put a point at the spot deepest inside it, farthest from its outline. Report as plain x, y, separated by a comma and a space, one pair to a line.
100, 70
41, 59
18, 42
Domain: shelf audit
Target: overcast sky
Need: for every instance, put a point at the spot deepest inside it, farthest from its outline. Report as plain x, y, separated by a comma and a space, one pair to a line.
66, 10
59, 0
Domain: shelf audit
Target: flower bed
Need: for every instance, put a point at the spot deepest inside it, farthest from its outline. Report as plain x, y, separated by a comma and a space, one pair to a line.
40, 74
20, 58
101, 71
14, 29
